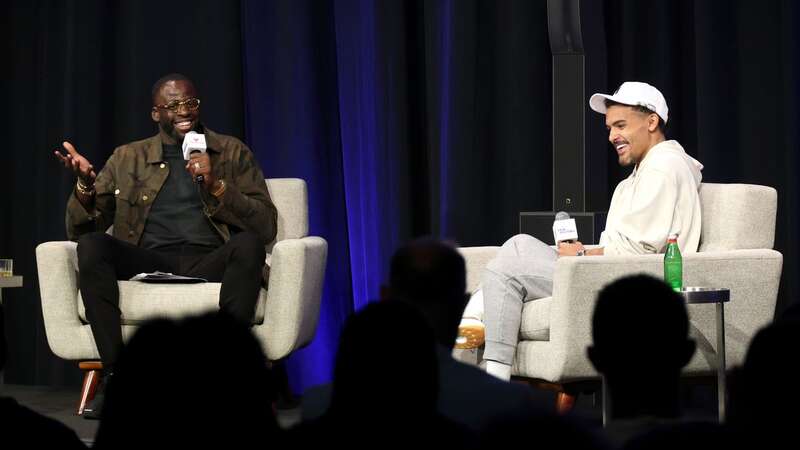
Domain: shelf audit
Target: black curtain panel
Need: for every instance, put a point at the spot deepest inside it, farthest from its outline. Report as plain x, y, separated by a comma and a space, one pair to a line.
729, 72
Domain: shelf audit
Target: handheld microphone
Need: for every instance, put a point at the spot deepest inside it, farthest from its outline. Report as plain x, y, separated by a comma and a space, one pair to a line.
193, 143
564, 228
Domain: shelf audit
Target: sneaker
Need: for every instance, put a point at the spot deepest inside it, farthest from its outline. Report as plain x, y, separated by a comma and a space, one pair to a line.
497, 369
470, 334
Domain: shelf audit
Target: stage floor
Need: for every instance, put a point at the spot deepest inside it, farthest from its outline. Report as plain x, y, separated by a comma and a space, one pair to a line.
59, 403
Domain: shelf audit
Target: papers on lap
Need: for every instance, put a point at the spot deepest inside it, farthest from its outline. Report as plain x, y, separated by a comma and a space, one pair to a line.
165, 277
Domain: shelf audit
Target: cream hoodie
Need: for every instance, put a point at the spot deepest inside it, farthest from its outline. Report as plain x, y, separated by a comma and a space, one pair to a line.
659, 198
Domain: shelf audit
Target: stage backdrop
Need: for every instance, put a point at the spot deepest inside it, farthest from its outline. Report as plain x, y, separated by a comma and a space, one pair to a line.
406, 118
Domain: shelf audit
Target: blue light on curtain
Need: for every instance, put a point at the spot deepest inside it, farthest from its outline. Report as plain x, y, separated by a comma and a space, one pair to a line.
445, 52
368, 158
292, 125
316, 86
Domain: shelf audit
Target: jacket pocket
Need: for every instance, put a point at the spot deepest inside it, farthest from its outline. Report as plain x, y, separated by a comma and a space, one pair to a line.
130, 216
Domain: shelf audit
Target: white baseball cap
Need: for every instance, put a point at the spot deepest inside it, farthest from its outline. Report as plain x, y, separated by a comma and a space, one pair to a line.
633, 93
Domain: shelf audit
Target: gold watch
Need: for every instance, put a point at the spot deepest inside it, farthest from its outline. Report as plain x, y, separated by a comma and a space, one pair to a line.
221, 189
83, 189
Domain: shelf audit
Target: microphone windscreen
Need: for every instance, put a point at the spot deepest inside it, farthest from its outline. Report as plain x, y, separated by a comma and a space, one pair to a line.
193, 142
562, 215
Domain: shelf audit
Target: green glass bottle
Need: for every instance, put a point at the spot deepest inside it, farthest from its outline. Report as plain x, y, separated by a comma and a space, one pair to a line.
673, 264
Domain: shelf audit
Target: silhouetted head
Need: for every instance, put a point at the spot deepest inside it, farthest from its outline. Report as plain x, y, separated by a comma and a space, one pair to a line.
386, 366
640, 328
640, 332
202, 380
762, 400
431, 275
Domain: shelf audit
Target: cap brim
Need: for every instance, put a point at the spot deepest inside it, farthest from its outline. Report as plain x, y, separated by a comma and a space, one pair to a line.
598, 102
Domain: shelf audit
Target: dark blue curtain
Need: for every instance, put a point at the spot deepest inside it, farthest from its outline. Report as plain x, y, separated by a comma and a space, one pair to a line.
292, 110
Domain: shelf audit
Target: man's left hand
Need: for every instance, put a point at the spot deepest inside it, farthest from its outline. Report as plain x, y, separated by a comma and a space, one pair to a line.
200, 164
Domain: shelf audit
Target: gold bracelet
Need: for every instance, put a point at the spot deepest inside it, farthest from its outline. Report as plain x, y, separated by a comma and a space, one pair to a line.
221, 190
83, 189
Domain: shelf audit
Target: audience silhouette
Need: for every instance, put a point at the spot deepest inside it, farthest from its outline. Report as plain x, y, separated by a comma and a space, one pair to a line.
763, 403
25, 428
205, 380
640, 332
385, 386
200, 381
430, 276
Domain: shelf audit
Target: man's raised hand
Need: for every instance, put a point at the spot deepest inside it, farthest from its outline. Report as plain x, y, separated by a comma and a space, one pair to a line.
77, 163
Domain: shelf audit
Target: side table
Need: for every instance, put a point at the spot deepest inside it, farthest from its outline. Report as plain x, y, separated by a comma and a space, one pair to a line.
9, 282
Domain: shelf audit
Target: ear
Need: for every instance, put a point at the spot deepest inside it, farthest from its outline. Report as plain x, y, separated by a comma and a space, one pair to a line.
652, 122
155, 114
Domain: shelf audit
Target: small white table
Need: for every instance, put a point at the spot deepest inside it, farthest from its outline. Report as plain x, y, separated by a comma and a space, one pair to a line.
9, 282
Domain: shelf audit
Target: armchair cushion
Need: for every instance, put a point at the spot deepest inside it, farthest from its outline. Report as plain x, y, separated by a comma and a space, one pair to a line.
737, 216
143, 301
290, 197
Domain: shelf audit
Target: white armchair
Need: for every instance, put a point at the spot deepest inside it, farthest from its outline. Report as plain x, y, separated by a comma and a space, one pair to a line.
286, 314
735, 252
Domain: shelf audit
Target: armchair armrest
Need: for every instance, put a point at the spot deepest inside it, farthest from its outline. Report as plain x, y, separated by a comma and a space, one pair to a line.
57, 265
476, 259
293, 295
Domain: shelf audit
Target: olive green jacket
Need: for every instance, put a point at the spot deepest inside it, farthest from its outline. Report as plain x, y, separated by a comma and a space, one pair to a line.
134, 174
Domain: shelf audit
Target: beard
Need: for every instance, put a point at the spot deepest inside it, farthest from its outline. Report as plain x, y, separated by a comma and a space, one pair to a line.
168, 127
625, 160
169, 130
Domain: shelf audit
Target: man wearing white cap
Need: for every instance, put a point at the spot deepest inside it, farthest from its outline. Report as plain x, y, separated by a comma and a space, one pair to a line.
658, 199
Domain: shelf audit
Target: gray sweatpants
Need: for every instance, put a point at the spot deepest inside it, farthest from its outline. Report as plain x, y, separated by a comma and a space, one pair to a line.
521, 272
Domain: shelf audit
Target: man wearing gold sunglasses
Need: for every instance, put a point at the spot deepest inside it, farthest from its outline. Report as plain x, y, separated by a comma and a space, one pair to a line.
163, 220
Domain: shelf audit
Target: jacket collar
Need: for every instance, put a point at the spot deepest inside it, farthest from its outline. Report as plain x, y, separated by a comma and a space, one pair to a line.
155, 149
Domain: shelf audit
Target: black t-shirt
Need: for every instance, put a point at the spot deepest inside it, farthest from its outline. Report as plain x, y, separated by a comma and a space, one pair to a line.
176, 216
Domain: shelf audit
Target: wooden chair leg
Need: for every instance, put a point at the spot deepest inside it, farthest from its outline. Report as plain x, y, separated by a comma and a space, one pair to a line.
566, 395
565, 402
91, 378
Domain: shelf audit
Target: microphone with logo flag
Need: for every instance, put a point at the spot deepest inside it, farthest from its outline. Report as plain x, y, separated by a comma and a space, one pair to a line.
194, 143
564, 228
